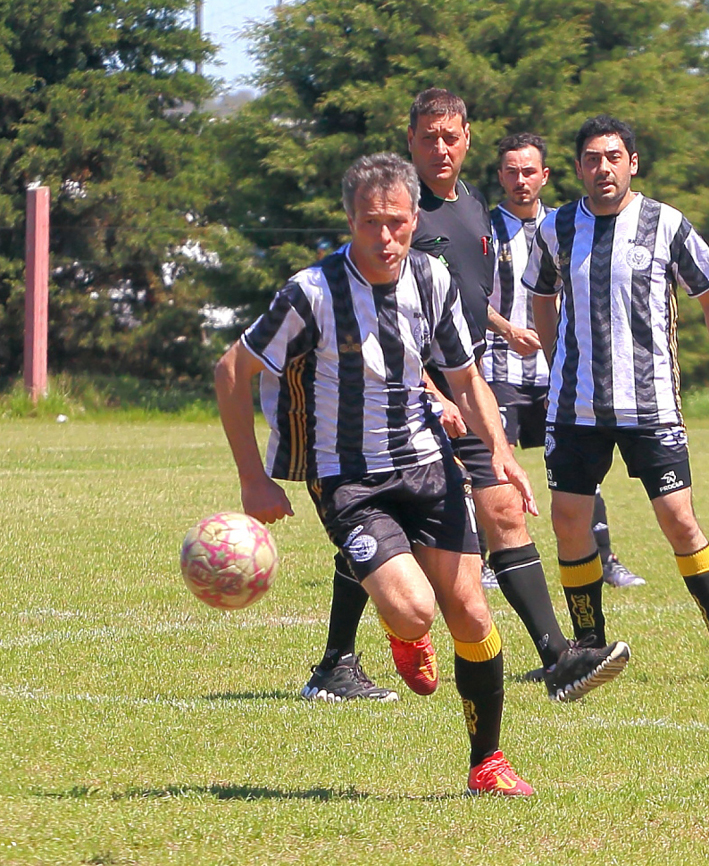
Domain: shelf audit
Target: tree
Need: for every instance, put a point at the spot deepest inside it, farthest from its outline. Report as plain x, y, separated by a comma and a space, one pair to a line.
337, 79
92, 96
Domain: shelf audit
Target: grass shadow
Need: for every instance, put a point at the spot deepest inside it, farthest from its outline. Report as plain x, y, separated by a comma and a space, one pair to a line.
247, 793
273, 695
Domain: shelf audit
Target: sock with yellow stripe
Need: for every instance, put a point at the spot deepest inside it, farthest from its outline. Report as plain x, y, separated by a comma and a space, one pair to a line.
582, 580
479, 680
694, 568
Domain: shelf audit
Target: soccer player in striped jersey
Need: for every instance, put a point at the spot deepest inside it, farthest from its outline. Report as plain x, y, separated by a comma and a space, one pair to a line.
514, 364
453, 225
613, 260
379, 467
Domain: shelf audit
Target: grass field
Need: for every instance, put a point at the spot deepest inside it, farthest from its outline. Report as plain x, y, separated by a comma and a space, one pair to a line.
140, 727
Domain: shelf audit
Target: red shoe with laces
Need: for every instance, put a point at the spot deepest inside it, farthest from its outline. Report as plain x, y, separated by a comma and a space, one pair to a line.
416, 663
494, 775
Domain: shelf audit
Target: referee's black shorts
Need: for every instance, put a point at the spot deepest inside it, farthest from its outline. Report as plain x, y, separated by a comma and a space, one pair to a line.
376, 517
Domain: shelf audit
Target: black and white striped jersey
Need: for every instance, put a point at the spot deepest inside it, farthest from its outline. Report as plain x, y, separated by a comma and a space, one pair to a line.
512, 238
615, 357
343, 391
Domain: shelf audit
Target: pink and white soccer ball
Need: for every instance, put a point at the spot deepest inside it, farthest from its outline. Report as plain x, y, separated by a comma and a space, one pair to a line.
229, 560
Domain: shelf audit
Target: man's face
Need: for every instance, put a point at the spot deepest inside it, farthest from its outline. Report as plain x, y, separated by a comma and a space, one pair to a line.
438, 148
382, 226
606, 169
522, 175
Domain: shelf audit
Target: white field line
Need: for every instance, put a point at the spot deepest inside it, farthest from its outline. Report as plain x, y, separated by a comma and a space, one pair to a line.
114, 633
25, 693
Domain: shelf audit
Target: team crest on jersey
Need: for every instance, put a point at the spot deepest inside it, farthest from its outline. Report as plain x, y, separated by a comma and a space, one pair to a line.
549, 444
421, 331
360, 547
638, 257
672, 437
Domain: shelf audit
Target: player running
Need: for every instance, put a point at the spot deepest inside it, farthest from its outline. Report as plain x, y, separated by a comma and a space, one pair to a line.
359, 326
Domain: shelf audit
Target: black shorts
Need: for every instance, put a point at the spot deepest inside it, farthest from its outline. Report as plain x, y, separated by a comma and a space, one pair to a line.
578, 458
524, 412
474, 454
374, 518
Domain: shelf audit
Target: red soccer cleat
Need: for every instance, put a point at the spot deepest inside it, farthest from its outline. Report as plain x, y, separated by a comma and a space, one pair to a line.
416, 663
495, 776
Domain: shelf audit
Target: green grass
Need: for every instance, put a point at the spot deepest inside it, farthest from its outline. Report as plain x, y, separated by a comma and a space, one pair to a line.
140, 727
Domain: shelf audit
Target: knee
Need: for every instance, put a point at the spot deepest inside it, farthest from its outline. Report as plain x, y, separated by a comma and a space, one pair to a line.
412, 616
565, 521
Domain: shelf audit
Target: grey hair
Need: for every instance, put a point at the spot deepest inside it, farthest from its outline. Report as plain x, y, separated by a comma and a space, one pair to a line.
380, 172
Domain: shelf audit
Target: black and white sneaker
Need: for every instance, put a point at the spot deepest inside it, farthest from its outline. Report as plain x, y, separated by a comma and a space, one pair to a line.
582, 668
344, 682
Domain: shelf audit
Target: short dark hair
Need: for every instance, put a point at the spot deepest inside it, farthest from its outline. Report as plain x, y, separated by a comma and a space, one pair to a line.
604, 124
379, 172
522, 139
438, 101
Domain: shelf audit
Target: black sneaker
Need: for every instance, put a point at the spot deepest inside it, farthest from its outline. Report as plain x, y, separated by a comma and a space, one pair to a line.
534, 676
343, 682
582, 668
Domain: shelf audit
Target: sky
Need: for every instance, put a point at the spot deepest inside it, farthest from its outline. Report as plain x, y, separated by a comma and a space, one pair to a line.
221, 19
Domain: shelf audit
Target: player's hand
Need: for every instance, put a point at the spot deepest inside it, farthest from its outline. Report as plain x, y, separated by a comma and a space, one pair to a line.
452, 420
524, 341
506, 468
265, 500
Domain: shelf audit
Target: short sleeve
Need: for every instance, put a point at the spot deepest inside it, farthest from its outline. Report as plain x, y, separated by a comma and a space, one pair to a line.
541, 276
286, 331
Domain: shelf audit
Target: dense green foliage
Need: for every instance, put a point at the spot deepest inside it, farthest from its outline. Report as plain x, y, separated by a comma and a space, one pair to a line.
88, 92
337, 79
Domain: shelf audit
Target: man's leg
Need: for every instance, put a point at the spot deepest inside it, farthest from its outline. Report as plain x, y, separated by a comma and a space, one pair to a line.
614, 572
339, 676
579, 563
478, 666
678, 522
518, 568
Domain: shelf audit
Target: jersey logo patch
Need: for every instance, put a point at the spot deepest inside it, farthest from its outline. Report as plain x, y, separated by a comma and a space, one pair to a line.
638, 257
349, 345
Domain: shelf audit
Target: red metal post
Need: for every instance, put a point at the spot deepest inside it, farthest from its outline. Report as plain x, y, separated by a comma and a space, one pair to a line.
36, 291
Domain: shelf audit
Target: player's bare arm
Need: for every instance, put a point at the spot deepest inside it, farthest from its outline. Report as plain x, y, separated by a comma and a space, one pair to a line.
452, 420
546, 319
480, 410
524, 341
261, 497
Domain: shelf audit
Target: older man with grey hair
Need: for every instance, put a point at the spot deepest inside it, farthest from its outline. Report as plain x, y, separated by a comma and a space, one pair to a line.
350, 335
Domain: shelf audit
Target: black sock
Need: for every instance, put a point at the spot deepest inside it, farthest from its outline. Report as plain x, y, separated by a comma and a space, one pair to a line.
599, 524
481, 686
582, 580
521, 578
698, 585
348, 602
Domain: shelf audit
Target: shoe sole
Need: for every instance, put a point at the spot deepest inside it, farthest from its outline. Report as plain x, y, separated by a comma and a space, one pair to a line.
608, 670
331, 698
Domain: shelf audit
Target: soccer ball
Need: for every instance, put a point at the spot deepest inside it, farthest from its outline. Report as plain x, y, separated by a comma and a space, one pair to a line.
229, 560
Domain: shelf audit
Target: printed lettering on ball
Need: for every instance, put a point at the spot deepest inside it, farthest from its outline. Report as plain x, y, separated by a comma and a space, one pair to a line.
229, 560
